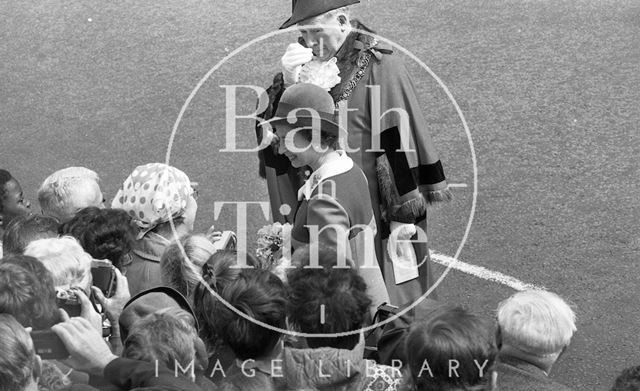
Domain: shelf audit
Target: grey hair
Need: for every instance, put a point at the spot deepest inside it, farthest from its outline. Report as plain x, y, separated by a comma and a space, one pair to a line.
18, 358
65, 258
537, 322
56, 195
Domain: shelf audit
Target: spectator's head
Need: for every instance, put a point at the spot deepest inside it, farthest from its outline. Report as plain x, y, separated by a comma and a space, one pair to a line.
629, 380
535, 325
67, 191
451, 337
148, 302
12, 201
156, 193
27, 292
67, 261
27, 228
103, 233
342, 292
20, 367
182, 261
260, 295
217, 273
169, 337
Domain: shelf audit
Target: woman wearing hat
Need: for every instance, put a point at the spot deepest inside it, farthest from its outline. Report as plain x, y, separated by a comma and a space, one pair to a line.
162, 203
333, 209
370, 81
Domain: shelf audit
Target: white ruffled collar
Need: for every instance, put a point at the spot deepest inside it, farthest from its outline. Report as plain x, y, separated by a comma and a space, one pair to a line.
336, 167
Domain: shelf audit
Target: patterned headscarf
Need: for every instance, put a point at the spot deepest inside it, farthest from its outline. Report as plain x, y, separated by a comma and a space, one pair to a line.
153, 194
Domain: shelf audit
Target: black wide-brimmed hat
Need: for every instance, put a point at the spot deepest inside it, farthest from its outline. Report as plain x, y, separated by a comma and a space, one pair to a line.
305, 9
307, 96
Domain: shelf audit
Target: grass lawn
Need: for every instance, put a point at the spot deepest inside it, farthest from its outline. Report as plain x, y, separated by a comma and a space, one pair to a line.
549, 89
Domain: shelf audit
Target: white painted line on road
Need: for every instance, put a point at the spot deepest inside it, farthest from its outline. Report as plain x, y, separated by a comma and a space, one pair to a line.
457, 185
481, 272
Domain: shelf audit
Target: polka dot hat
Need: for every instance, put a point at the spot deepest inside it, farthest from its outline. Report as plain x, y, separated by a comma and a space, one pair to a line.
153, 194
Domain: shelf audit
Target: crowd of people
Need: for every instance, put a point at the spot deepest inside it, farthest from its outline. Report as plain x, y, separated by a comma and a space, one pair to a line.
122, 295
179, 314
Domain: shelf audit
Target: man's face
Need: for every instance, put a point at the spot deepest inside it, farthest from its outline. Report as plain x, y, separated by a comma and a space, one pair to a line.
324, 40
13, 203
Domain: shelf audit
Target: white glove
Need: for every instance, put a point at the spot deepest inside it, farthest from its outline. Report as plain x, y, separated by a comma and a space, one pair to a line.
401, 253
292, 61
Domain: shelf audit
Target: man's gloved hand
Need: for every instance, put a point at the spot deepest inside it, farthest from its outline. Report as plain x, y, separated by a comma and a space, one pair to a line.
292, 61
401, 252
405, 231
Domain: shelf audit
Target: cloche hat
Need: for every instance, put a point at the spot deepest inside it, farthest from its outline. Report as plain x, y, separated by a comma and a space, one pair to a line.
303, 96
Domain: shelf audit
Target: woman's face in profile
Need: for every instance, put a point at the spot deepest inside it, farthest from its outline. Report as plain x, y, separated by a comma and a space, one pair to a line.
298, 149
190, 212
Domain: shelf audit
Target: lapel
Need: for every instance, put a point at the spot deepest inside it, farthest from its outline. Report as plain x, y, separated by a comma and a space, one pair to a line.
328, 170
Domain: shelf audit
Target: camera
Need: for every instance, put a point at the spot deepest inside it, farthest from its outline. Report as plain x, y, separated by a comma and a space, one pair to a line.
226, 242
104, 278
385, 311
48, 345
70, 302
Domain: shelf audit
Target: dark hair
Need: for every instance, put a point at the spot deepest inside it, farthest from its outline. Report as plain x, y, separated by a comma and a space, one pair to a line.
27, 292
18, 357
451, 333
261, 295
25, 229
103, 233
217, 273
342, 292
326, 139
5, 177
629, 380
